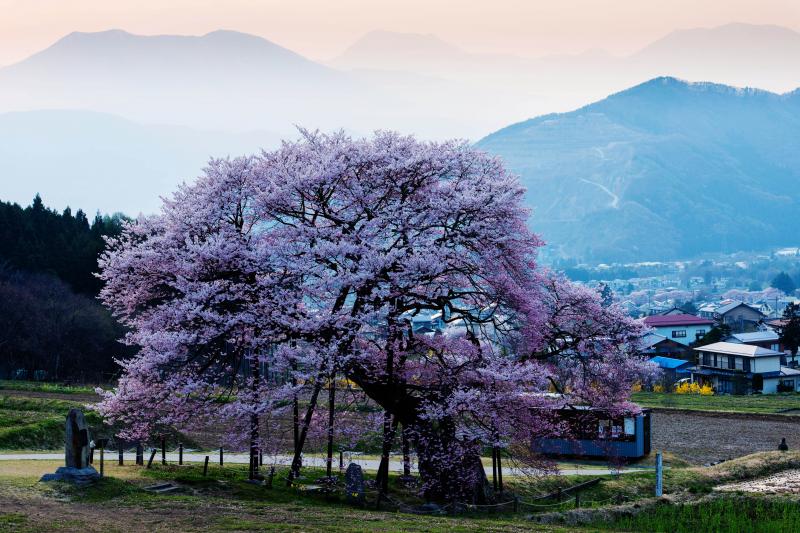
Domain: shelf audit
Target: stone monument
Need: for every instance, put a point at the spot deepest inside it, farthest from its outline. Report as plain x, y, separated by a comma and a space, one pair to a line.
77, 447
354, 484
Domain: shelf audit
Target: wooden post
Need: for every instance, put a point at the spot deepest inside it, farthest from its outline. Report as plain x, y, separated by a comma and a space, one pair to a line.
406, 453
102, 456
152, 456
341, 460
163, 449
500, 470
331, 410
494, 468
205, 467
120, 453
659, 476
139, 454
260, 457
180, 453
221, 456
91, 455
577, 500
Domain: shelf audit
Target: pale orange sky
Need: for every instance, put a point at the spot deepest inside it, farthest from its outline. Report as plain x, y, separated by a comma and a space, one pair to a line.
321, 29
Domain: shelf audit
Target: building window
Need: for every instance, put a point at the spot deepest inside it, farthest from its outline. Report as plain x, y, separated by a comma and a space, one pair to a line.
731, 362
678, 333
706, 359
746, 365
786, 385
699, 334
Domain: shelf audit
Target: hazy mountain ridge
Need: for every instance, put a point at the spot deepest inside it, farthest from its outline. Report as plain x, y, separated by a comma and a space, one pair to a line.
604, 159
662, 170
234, 81
98, 161
411, 82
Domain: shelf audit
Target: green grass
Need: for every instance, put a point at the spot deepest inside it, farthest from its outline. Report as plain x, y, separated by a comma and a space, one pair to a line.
240, 506
719, 515
9, 521
39, 386
36, 423
756, 403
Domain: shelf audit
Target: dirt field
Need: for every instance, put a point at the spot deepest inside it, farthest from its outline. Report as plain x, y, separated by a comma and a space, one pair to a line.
705, 437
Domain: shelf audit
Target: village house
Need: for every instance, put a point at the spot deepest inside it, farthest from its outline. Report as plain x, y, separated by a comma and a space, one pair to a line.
763, 338
681, 328
743, 369
655, 344
672, 369
738, 316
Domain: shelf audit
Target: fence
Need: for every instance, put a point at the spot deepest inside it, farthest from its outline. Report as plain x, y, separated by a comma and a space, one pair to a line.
562, 499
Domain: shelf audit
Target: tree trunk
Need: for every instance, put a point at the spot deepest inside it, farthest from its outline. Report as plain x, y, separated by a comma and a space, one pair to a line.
389, 431
406, 453
294, 472
449, 468
254, 435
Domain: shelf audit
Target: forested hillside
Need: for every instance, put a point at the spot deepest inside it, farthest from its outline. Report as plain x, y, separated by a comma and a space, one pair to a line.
51, 325
664, 170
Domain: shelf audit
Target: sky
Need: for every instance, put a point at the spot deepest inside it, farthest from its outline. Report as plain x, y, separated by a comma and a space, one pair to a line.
321, 29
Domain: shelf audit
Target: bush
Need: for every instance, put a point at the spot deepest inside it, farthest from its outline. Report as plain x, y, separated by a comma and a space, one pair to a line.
694, 388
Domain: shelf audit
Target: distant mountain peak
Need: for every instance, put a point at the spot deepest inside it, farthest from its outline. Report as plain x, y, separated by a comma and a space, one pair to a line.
404, 41
726, 39
382, 49
665, 169
81, 48
672, 82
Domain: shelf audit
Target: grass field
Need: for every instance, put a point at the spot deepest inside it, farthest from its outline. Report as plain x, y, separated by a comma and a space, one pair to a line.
224, 501
722, 515
756, 404
38, 386
35, 423
32, 418
221, 502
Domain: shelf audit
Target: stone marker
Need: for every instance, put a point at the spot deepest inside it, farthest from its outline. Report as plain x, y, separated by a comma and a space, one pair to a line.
77, 444
354, 484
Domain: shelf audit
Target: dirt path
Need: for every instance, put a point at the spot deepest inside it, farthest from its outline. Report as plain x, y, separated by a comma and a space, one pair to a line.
786, 482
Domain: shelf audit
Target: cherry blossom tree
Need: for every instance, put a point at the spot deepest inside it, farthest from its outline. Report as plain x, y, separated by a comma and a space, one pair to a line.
312, 262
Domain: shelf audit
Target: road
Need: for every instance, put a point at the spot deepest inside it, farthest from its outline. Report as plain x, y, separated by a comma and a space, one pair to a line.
395, 465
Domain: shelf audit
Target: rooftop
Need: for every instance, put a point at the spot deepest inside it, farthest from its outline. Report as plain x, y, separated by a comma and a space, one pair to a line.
755, 336
669, 362
676, 320
732, 348
721, 310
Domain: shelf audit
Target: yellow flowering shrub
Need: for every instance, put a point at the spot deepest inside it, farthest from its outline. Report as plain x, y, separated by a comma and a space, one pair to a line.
694, 388
658, 388
637, 387
706, 390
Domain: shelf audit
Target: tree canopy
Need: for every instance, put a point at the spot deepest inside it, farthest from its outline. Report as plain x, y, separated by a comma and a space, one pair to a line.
314, 260
51, 327
783, 282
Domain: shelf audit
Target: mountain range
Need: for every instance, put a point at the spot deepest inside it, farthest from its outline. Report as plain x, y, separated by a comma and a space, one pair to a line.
413, 83
663, 170
112, 120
